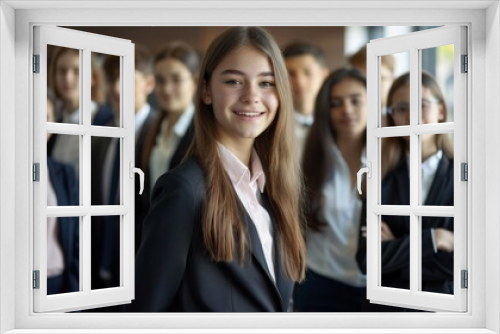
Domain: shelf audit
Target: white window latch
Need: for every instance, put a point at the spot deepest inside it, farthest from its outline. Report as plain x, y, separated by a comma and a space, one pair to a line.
133, 170
368, 171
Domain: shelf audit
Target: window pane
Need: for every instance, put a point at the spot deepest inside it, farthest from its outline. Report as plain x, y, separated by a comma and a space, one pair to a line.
105, 249
105, 171
395, 259
106, 87
395, 172
437, 254
395, 94
63, 255
437, 169
437, 84
63, 153
63, 83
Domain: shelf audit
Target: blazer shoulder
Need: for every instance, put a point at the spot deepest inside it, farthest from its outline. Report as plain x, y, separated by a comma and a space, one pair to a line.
188, 174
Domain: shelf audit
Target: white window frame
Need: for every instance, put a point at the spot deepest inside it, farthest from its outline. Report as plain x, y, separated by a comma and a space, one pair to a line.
86, 43
483, 21
412, 43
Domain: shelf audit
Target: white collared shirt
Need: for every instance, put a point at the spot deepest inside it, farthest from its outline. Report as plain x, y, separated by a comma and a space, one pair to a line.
164, 149
332, 251
67, 148
249, 186
140, 118
429, 169
302, 123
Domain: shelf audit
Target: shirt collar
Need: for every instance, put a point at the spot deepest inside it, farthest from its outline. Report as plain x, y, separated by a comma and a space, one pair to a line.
430, 164
237, 171
303, 119
183, 122
141, 115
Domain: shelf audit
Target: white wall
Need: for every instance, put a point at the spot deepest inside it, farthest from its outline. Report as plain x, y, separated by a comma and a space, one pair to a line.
7, 164
492, 163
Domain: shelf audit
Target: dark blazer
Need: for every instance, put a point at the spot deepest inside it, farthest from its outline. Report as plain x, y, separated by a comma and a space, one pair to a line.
65, 186
103, 116
174, 273
142, 202
147, 126
105, 230
437, 268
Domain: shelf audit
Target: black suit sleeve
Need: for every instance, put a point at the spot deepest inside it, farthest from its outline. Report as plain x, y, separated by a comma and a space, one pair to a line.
162, 257
361, 252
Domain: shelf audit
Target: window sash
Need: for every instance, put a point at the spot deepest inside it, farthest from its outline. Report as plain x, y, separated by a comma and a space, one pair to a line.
86, 43
414, 298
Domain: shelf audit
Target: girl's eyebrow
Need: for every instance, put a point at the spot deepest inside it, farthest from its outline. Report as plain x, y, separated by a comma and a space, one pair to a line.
237, 72
348, 95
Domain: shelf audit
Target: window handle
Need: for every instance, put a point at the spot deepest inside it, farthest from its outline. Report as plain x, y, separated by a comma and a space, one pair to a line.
368, 171
133, 170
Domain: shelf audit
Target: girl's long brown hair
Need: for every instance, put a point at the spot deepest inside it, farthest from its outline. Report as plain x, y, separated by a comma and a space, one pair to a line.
224, 233
394, 148
318, 159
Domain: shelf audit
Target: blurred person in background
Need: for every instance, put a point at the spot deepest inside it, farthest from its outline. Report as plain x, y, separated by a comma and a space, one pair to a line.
437, 190
176, 73
63, 233
307, 70
64, 82
387, 64
335, 150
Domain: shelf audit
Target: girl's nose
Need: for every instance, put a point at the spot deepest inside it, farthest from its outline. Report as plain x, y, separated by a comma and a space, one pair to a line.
249, 94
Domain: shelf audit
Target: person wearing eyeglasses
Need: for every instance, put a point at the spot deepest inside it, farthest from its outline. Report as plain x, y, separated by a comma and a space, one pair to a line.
437, 190
176, 69
334, 152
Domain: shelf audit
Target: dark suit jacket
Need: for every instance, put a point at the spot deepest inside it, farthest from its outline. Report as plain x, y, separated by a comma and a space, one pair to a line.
437, 268
175, 273
103, 116
105, 230
142, 202
65, 186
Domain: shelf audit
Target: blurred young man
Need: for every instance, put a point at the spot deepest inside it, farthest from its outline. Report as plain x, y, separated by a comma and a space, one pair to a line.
358, 60
307, 70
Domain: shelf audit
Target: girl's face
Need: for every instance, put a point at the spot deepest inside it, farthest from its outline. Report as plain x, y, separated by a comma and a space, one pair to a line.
175, 85
348, 108
67, 77
243, 94
432, 109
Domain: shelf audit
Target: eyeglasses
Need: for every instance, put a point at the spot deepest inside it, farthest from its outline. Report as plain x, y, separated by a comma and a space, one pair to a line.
401, 109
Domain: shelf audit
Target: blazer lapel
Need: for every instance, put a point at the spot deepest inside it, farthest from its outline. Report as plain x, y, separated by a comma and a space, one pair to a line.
258, 253
255, 244
404, 181
439, 183
283, 284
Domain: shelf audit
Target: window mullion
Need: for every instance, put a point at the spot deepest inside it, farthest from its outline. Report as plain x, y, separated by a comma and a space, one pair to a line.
85, 165
414, 168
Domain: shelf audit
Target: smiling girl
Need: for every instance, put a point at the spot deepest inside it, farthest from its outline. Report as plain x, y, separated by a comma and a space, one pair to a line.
223, 233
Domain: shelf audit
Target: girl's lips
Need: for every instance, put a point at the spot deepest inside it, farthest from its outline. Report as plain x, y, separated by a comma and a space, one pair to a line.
248, 113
